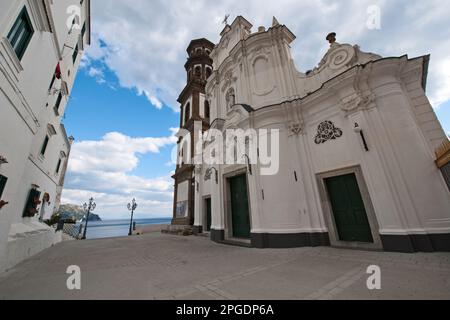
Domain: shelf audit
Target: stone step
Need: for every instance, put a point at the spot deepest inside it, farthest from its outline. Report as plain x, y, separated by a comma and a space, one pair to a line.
204, 235
236, 243
178, 230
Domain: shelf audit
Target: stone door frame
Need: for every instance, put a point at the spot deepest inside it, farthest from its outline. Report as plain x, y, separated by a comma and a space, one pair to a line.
227, 203
329, 215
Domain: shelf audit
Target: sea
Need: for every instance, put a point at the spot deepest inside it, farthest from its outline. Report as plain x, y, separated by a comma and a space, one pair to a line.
117, 228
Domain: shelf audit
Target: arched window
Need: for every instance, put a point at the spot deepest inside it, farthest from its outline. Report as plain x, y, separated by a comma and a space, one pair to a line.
187, 113
230, 98
198, 71
208, 72
207, 110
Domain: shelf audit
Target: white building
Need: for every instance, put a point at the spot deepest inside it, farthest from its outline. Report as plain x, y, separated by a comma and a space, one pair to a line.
41, 47
357, 139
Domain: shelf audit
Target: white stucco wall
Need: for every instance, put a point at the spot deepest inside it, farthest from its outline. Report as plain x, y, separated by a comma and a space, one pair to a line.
183, 191
385, 98
26, 111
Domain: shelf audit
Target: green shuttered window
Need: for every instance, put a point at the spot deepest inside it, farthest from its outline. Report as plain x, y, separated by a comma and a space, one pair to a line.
21, 33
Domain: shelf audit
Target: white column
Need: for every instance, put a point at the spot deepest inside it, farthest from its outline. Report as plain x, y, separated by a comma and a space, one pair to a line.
198, 203
217, 216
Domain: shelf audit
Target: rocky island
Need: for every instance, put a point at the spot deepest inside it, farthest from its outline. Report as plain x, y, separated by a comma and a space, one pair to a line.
75, 213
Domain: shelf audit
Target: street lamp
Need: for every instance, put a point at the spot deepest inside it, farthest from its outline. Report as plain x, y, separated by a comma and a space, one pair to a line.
132, 206
88, 208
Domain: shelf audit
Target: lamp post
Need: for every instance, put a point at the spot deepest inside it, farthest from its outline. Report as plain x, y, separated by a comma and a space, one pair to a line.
88, 208
132, 206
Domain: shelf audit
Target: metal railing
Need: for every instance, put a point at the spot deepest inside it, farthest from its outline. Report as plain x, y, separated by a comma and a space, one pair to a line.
70, 229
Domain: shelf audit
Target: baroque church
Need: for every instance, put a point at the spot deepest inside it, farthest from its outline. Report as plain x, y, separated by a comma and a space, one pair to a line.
357, 147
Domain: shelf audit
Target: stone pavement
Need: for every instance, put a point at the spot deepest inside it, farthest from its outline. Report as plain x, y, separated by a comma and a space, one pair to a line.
156, 266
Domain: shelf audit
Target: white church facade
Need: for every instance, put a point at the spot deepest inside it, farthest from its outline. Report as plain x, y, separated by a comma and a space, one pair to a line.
357, 140
41, 48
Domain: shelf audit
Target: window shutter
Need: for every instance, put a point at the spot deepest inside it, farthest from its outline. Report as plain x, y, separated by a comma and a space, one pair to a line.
3, 181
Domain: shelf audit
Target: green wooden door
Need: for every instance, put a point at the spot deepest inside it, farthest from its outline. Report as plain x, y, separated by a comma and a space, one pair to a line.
239, 207
208, 214
348, 209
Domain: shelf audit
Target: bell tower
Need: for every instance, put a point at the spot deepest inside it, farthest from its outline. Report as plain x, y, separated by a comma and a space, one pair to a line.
194, 108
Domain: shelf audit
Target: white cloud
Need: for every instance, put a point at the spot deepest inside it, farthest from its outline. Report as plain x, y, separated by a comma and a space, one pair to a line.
94, 72
102, 169
97, 74
441, 82
154, 101
144, 42
114, 153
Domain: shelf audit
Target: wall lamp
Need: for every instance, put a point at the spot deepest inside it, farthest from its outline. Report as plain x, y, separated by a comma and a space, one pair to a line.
359, 130
3, 160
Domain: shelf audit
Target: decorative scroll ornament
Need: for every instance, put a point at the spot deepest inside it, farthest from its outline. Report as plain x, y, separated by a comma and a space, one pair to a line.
295, 129
340, 56
327, 131
358, 101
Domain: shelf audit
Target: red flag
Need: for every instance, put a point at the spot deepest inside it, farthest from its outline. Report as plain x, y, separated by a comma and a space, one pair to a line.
58, 71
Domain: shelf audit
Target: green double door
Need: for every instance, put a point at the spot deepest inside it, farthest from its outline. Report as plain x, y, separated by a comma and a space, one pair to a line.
239, 207
348, 209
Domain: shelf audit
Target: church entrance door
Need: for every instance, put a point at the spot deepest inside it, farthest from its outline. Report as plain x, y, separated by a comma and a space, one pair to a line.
348, 208
240, 215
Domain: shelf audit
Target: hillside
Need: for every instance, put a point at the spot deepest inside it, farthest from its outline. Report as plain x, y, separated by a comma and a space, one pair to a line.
75, 212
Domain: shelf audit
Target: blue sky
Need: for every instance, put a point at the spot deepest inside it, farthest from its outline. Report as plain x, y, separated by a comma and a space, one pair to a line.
96, 109
123, 110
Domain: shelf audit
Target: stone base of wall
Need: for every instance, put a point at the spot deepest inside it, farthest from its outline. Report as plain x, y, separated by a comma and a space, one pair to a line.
391, 243
179, 230
27, 239
217, 235
267, 240
197, 230
416, 243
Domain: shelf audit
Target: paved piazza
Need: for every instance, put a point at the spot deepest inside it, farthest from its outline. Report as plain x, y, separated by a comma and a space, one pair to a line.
156, 266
